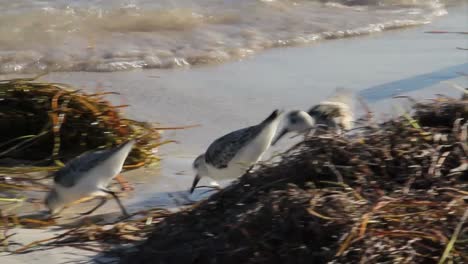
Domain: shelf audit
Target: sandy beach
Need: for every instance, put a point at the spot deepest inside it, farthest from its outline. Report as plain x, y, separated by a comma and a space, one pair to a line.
229, 96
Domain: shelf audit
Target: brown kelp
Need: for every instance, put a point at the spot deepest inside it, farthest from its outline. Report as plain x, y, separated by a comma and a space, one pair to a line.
392, 193
98, 237
45, 124
395, 192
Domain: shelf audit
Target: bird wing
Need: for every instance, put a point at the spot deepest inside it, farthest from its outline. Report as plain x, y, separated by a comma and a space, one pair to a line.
76, 168
341, 95
335, 106
223, 150
325, 111
332, 114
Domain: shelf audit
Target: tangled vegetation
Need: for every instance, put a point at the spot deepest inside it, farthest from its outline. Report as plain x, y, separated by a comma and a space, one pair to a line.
391, 193
394, 192
50, 123
46, 124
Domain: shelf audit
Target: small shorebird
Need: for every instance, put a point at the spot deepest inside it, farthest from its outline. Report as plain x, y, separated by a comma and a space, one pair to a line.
335, 113
88, 175
231, 155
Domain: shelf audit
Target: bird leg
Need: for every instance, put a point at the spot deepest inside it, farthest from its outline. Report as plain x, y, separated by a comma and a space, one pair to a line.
102, 201
124, 184
122, 208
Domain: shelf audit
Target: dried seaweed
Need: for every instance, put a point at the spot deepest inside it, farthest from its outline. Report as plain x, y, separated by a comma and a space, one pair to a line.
98, 237
402, 200
389, 193
50, 123
46, 124
441, 113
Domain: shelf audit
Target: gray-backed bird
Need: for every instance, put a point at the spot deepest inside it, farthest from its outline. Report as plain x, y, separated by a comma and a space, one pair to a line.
231, 155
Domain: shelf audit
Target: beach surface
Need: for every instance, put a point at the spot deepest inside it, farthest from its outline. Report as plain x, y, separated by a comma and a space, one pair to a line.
230, 96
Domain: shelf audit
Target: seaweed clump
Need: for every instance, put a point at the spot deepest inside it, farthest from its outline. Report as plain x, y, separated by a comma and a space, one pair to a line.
442, 112
46, 124
392, 193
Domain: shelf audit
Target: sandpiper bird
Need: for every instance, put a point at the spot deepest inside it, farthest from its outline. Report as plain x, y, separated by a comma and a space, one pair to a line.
334, 113
231, 155
88, 175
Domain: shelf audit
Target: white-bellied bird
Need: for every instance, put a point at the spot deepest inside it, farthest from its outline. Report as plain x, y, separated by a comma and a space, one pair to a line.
88, 175
231, 155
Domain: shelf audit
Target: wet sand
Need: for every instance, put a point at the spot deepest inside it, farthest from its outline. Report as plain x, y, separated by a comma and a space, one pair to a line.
230, 96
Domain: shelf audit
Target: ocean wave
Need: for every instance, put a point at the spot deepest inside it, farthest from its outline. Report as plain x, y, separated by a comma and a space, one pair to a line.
93, 35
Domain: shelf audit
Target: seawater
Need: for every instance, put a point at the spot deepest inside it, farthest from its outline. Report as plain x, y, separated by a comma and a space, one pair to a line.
106, 36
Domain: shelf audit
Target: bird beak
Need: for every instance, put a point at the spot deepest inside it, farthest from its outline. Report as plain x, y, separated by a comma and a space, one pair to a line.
195, 182
280, 135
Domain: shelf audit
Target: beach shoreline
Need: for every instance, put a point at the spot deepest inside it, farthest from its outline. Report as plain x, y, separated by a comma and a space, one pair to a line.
225, 97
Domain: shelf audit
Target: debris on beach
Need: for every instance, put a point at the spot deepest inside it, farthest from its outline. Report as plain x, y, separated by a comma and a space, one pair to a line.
443, 112
392, 193
51, 123
45, 125
396, 193
87, 235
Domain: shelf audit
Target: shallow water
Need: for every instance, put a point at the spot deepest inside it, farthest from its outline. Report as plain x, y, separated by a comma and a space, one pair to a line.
97, 35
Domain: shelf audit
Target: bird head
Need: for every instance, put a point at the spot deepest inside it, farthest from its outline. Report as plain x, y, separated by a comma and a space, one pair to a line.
199, 165
295, 121
53, 202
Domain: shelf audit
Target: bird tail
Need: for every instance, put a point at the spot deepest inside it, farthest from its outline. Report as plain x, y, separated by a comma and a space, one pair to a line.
273, 116
128, 143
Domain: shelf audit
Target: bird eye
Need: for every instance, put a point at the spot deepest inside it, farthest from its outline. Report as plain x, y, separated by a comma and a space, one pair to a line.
293, 120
